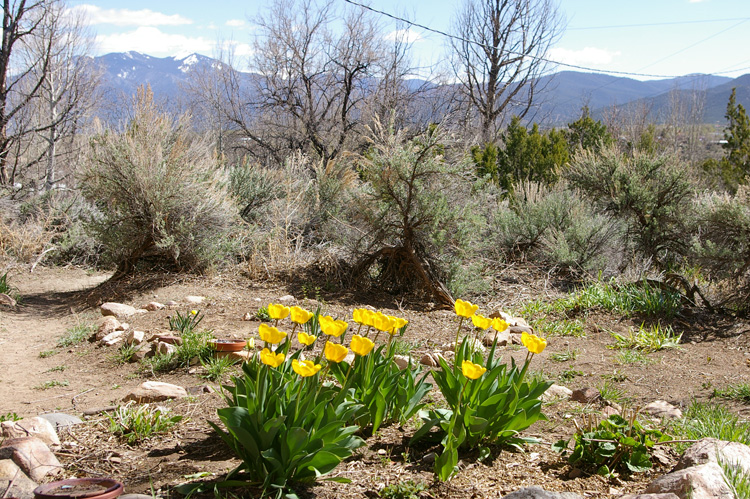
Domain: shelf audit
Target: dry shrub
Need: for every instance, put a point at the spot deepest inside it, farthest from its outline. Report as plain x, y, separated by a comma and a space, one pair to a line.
23, 242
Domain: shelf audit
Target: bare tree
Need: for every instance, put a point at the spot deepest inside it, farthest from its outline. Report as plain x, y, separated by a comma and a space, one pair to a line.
499, 49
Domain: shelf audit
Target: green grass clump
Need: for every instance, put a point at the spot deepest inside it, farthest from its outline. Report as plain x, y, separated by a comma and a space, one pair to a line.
75, 335
217, 367
736, 478
51, 384
648, 339
702, 420
631, 357
739, 392
569, 374
408, 489
137, 422
627, 299
563, 327
47, 353
565, 356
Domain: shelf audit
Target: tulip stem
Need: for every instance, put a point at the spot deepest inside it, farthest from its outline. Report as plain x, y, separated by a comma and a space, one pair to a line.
460, 322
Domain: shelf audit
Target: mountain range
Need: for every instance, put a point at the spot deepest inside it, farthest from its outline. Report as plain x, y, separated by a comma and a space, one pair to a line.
565, 92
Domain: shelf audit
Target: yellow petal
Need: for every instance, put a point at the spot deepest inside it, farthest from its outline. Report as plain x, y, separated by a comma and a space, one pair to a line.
305, 368
360, 345
270, 334
271, 359
533, 343
465, 308
277, 311
300, 315
499, 324
481, 321
471, 370
335, 352
306, 339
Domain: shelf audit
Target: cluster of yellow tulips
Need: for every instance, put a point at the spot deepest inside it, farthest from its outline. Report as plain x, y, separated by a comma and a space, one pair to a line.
467, 310
361, 345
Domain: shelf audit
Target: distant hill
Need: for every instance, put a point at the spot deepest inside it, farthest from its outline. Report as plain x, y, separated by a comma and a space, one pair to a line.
566, 92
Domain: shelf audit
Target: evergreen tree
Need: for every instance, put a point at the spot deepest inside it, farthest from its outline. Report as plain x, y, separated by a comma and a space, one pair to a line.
585, 133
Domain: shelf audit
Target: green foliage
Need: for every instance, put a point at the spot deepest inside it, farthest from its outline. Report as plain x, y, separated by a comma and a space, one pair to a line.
75, 335
736, 478
285, 428
651, 194
47, 353
7, 289
408, 489
733, 169
157, 191
631, 357
51, 384
136, 423
648, 339
562, 327
609, 392
706, 420
739, 392
627, 299
216, 368
254, 187
569, 374
262, 314
565, 356
125, 353
159, 363
587, 134
614, 445
493, 409
10, 416
185, 324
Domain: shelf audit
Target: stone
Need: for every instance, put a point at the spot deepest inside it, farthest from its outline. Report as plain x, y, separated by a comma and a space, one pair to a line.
31, 455
21, 486
286, 299
402, 361
113, 338
248, 316
61, 420
536, 492
430, 360
155, 391
135, 337
662, 409
169, 338
499, 314
515, 339
503, 337
556, 392
165, 348
709, 450
31, 427
108, 324
240, 356
171, 303
7, 300
668, 495
585, 395
608, 411
153, 306
124, 326
697, 482
118, 310
195, 300
520, 330
139, 355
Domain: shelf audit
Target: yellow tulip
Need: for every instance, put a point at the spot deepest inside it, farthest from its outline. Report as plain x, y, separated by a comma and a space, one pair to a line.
533, 343
363, 316
270, 334
271, 359
361, 345
398, 323
332, 327
335, 352
277, 311
499, 324
471, 370
306, 339
465, 308
194, 312
305, 368
481, 321
300, 315
382, 322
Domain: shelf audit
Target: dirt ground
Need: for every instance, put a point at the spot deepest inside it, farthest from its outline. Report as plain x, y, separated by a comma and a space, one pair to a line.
715, 352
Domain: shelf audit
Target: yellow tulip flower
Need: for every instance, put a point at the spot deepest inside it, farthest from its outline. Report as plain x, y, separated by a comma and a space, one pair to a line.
194, 312
465, 308
382, 322
277, 311
335, 352
271, 359
533, 343
362, 316
361, 345
332, 327
499, 324
300, 315
398, 323
305, 368
481, 321
471, 370
306, 339
270, 334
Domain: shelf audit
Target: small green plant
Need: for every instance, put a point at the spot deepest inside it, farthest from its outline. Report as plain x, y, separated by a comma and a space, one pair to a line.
75, 335
51, 384
47, 353
217, 367
10, 416
736, 478
648, 339
185, 324
614, 445
565, 356
263, 314
408, 489
569, 374
631, 357
564, 327
7, 289
135, 422
705, 420
402, 347
56, 369
159, 363
125, 353
627, 299
611, 393
739, 392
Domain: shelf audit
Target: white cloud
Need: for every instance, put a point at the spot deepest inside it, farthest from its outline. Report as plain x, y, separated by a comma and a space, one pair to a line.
152, 41
403, 35
127, 17
584, 57
235, 23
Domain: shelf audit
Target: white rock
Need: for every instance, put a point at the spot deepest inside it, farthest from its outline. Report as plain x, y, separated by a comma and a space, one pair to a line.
662, 409
697, 482
402, 361
118, 310
195, 300
14, 481
709, 450
286, 299
31, 455
153, 306
135, 337
107, 325
124, 326
163, 348
113, 338
31, 427
155, 391
557, 392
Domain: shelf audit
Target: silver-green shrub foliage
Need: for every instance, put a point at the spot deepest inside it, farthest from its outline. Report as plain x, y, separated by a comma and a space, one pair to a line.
157, 190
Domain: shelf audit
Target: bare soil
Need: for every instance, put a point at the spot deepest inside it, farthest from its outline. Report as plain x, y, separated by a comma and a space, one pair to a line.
36, 376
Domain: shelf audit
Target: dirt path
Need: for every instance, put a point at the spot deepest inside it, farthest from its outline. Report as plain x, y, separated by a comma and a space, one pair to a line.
31, 381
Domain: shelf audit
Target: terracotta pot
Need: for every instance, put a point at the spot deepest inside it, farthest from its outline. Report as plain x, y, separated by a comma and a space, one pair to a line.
228, 345
80, 488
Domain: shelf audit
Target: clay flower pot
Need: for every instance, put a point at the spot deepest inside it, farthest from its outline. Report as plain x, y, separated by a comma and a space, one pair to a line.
228, 345
79, 488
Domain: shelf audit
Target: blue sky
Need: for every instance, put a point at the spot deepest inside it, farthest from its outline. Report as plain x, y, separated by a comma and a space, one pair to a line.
651, 37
